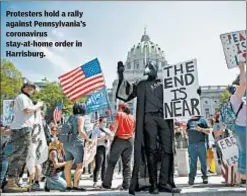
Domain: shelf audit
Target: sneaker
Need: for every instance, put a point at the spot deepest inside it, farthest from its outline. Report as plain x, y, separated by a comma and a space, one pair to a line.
121, 188
191, 183
243, 183
36, 186
12, 187
205, 181
95, 185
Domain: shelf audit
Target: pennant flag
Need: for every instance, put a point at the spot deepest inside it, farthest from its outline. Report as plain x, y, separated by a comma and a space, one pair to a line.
82, 80
97, 101
57, 114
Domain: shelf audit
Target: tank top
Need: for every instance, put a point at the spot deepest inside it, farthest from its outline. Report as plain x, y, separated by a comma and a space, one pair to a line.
52, 170
79, 140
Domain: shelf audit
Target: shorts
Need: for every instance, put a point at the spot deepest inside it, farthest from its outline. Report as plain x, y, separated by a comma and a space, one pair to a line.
74, 153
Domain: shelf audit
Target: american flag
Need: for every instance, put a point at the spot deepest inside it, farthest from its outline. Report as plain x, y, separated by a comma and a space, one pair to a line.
57, 113
82, 80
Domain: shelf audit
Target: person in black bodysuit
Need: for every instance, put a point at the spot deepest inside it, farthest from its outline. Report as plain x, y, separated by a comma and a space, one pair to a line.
151, 127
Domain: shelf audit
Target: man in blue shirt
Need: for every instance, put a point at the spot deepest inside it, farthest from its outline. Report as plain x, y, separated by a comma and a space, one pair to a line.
198, 129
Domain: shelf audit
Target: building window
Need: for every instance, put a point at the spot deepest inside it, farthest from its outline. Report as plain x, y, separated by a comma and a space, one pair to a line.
206, 102
136, 64
128, 65
207, 113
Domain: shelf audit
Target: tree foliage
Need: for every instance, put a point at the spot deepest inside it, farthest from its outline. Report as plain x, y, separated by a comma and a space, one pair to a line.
52, 94
11, 80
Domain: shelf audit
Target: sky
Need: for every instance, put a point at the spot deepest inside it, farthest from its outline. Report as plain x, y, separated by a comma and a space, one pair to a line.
184, 30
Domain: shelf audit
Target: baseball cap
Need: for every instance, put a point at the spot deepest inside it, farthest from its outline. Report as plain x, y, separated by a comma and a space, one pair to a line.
123, 105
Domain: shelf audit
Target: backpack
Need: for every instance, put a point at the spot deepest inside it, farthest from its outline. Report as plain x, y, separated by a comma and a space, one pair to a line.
67, 135
228, 116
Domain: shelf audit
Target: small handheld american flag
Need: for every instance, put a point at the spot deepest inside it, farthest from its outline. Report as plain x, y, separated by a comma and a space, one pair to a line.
57, 114
83, 80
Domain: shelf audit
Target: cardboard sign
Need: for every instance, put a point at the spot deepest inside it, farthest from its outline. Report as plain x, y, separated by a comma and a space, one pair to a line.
8, 112
229, 150
180, 83
234, 46
89, 153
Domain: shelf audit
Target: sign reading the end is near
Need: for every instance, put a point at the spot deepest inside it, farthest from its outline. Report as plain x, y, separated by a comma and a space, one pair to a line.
234, 46
180, 83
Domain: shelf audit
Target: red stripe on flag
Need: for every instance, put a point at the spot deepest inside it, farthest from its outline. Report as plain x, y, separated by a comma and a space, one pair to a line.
84, 84
67, 75
86, 92
70, 79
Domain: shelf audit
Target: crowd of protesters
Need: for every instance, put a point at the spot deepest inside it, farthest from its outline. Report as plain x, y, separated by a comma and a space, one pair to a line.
114, 144
62, 156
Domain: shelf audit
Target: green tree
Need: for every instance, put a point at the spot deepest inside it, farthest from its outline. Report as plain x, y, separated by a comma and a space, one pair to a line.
52, 94
11, 80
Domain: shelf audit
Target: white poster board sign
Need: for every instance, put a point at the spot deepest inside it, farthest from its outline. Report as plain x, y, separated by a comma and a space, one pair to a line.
89, 152
180, 83
229, 150
234, 46
8, 112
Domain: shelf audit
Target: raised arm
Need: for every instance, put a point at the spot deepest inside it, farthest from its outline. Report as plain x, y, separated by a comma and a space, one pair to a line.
125, 90
242, 81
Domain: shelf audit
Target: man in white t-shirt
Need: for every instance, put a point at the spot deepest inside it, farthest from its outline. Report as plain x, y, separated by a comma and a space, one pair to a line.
20, 138
102, 135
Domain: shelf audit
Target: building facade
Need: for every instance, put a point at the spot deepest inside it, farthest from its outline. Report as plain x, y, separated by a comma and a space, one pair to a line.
210, 99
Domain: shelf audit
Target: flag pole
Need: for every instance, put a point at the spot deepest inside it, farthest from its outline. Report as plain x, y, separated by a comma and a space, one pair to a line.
107, 97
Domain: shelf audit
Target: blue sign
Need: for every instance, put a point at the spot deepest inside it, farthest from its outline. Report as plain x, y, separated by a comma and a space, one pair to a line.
97, 101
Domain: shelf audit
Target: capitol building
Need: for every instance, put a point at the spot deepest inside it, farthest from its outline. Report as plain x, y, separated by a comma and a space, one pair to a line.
147, 51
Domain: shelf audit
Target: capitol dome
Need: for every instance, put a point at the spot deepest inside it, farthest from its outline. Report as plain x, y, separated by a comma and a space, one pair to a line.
143, 52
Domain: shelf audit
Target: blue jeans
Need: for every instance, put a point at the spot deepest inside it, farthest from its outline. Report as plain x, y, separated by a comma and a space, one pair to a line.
56, 183
3, 170
240, 135
197, 150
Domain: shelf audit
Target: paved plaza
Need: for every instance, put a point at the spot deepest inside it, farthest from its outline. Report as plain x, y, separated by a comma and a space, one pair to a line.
215, 187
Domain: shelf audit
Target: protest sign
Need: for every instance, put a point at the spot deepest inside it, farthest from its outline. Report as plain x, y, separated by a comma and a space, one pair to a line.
180, 84
234, 46
229, 150
97, 101
8, 112
89, 152
38, 149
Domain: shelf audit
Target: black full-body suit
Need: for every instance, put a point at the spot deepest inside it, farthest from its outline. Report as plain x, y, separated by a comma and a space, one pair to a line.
150, 128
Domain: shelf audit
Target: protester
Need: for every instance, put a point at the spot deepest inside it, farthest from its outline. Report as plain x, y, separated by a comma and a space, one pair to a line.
228, 171
74, 150
53, 132
197, 129
210, 151
238, 101
20, 138
55, 166
122, 145
37, 178
101, 134
4, 155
